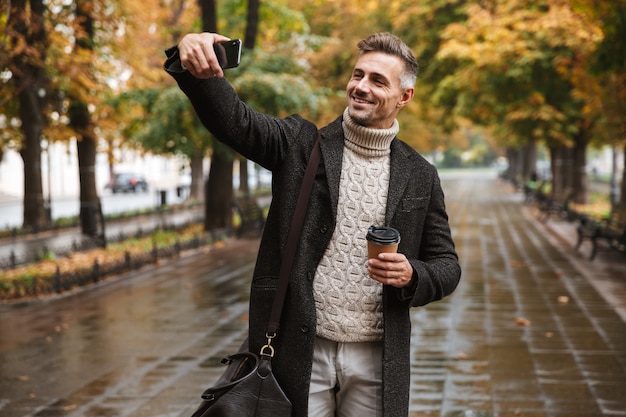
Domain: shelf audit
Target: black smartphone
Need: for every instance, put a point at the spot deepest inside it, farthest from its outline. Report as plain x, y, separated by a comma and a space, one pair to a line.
228, 53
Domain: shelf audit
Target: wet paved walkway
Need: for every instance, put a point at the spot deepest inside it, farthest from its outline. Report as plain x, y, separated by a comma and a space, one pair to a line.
526, 333
531, 331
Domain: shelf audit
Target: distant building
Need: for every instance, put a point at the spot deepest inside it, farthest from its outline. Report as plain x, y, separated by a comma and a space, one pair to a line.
59, 169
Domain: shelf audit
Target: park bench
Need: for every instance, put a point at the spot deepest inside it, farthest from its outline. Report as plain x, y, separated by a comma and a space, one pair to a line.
611, 229
534, 191
556, 204
251, 216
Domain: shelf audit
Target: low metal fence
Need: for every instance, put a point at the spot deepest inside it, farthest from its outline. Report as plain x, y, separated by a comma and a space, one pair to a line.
33, 285
84, 243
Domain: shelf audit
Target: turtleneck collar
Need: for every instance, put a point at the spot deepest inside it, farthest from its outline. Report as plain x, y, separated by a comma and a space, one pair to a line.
367, 141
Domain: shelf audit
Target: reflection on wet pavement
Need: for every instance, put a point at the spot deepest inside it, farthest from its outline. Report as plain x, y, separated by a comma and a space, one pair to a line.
525, 334
106, 351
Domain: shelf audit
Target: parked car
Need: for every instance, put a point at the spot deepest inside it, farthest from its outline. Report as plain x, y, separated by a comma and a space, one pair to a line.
128, 182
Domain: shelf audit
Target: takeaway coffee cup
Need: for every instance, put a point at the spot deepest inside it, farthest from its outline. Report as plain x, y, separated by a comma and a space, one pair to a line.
381, 240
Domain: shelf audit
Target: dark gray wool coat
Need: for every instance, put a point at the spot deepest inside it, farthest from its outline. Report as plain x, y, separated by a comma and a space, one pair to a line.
415, 207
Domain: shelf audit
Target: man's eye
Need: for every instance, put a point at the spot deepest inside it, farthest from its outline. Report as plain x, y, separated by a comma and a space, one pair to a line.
380, 82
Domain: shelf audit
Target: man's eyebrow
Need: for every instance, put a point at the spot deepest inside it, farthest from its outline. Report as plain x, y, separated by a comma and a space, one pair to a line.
372, 74
379, 75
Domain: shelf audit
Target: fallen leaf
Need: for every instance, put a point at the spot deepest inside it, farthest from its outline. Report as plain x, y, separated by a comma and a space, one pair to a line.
563, 299
23, 378
516, 264
520, 321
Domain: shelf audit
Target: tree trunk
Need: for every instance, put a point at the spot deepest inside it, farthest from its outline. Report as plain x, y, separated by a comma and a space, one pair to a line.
219, 187
563, 169
30, 79
252, 25
244, 186
197, 176
580, 182
514, 169
36, 209
557, 162
622, 194
208, 10
529, 153
81, 122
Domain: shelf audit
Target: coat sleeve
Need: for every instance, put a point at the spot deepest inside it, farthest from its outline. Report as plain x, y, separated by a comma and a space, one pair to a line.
436, 270
258, 137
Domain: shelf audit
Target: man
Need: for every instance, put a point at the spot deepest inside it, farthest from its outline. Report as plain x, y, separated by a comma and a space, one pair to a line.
344, 341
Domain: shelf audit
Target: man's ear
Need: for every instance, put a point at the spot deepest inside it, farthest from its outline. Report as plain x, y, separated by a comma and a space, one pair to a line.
407, 96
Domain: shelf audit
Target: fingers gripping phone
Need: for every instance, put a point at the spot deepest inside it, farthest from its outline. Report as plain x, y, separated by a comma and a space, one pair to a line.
228, 53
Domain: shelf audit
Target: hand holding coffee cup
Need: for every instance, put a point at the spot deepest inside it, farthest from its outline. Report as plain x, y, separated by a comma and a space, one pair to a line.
381, 240
394, 270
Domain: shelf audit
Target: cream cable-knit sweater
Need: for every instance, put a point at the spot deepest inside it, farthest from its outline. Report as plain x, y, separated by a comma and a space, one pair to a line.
348, 302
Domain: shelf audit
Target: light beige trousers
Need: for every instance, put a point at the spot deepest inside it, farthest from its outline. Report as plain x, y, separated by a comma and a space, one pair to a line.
346, 380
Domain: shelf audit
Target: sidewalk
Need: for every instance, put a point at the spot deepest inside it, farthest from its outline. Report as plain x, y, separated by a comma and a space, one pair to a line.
607, 272
533, 330
527, 333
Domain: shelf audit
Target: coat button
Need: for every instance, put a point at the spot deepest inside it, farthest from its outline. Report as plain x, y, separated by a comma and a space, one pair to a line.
323, 229
304, 329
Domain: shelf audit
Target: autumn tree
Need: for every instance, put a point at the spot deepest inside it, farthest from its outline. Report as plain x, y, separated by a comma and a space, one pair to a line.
609, 64
81, 122
23, 59
83, 71
344, 23
62, 75
270, 78
144, 106
520, 67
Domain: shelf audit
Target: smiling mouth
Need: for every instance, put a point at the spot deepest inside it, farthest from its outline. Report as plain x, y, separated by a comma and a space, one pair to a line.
360, 100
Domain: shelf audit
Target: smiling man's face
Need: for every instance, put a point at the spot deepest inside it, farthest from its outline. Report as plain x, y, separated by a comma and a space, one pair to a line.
374, 91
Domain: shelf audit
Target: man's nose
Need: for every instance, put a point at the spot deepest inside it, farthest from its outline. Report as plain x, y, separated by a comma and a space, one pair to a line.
362, 85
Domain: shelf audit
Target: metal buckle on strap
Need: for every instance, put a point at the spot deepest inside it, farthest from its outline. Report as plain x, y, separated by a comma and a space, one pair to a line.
268, 350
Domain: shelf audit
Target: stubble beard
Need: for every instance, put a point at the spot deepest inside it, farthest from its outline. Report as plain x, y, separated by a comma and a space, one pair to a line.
362, 117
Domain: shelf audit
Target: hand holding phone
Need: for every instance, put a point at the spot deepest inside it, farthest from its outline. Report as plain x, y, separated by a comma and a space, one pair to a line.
205, 55
228, 53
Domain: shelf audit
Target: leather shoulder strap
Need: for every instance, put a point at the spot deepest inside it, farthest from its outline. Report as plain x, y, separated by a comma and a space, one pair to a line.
294, 236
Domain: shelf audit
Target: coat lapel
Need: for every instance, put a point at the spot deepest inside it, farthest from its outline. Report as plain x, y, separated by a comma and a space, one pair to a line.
400, 175
331, 146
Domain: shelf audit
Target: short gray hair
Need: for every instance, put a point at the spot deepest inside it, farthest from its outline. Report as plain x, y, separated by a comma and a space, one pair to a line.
391, 44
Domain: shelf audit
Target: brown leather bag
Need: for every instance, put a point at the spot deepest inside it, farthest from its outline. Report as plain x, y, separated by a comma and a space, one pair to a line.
246, 389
